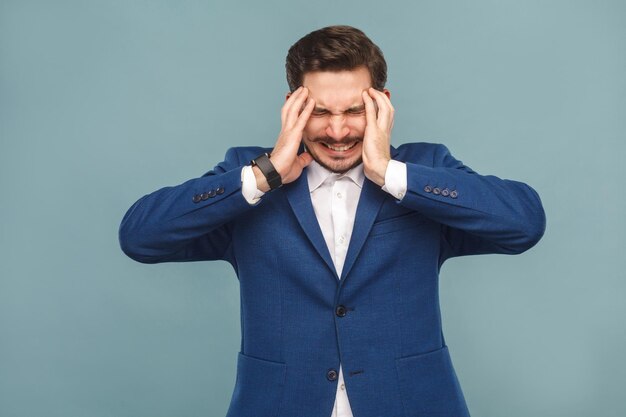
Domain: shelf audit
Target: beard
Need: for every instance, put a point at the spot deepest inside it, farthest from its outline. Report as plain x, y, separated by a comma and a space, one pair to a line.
338, 164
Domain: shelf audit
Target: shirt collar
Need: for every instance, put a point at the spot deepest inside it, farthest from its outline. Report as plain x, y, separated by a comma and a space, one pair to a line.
317, 175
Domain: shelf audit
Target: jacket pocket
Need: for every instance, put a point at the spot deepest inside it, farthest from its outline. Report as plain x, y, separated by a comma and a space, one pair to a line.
429, 386
259, 388
403, 222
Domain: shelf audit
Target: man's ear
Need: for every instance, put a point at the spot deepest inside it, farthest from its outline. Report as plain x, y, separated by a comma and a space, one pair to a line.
387, 93
287, 96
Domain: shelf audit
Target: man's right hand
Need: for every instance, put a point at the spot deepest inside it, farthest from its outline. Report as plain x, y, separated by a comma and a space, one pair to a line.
285, 156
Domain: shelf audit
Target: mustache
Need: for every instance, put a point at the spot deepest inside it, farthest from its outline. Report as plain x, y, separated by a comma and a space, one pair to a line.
334, 142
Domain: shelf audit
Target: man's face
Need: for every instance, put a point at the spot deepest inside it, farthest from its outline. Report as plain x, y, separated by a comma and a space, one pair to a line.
334, 133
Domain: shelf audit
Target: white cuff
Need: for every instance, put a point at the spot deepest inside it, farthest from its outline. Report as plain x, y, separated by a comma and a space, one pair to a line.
248, 186
395, 179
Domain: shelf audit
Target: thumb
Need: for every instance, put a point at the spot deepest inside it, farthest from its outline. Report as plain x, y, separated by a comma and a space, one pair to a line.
305, 159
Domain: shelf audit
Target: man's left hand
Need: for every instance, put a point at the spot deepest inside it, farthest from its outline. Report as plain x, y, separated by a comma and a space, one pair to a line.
377, 137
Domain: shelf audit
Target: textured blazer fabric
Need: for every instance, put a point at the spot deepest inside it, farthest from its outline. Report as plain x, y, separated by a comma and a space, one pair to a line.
299, 320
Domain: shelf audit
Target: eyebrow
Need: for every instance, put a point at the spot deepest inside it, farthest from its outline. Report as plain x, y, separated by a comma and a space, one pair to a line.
357, 108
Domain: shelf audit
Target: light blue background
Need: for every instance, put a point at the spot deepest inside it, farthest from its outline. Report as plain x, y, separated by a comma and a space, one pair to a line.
103, 102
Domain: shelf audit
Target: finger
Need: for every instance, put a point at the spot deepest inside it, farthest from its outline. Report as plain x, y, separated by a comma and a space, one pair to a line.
385, 109
304, 116
291, 137
381, 97
370, 108
294, 109
288, 103
305, 159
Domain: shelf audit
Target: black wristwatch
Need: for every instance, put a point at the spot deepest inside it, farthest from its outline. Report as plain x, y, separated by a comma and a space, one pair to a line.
267, 168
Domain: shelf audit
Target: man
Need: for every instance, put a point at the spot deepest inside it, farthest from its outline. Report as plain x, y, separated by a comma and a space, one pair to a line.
337, 239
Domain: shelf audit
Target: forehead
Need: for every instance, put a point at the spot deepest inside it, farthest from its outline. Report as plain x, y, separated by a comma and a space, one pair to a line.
336, 90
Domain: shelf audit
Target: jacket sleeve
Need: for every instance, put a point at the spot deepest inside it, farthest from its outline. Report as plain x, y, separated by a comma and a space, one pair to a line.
478, 214
187, 222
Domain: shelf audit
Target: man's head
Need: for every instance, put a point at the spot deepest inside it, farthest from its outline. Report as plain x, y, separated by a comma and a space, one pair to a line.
335, 48
336, 64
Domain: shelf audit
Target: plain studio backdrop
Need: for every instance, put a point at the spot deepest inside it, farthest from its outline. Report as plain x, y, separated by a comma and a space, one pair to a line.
103, 102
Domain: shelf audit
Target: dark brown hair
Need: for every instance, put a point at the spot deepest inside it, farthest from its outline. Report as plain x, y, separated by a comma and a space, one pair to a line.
335, 48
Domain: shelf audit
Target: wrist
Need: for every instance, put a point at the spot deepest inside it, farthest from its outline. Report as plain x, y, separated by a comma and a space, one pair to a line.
267, 168
261, 181
376, 173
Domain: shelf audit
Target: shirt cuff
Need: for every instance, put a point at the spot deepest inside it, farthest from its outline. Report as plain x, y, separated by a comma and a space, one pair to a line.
395, 179
248, 186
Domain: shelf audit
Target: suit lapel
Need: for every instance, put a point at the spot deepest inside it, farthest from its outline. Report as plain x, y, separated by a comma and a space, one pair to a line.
299, 198
369, 205
370, 202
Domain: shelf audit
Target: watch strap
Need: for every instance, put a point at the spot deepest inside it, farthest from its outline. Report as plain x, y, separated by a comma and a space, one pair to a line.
267, 169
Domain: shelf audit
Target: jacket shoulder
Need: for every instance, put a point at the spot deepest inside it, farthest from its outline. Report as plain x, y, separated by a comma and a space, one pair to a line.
244, 154
237, 157
423, 153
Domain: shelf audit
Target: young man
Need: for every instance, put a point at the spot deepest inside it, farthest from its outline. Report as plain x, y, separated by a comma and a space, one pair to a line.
337, 239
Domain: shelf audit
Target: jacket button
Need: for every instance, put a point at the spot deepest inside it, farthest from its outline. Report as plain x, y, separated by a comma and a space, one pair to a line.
331, 375
436, 191
428, 188
211, 193
454, 194
196, 198
204, 196
341, 311
445, 192
220, 190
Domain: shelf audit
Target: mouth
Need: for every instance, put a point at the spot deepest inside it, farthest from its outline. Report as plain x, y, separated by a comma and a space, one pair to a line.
340, 148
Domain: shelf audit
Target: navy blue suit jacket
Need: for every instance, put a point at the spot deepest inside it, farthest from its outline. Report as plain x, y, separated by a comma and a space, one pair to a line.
299, 320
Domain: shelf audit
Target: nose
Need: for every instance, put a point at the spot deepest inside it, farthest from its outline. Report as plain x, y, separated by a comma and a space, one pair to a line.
337, 128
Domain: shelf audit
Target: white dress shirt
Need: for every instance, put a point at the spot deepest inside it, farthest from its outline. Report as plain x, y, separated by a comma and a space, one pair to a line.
335, 198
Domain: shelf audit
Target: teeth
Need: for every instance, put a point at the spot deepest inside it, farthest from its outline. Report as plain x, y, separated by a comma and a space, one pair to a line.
340, 148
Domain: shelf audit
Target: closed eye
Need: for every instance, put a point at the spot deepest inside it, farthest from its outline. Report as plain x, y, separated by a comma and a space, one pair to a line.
356, 111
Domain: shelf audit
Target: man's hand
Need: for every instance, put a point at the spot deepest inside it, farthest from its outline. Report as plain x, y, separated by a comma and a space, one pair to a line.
285, 156
377, 137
